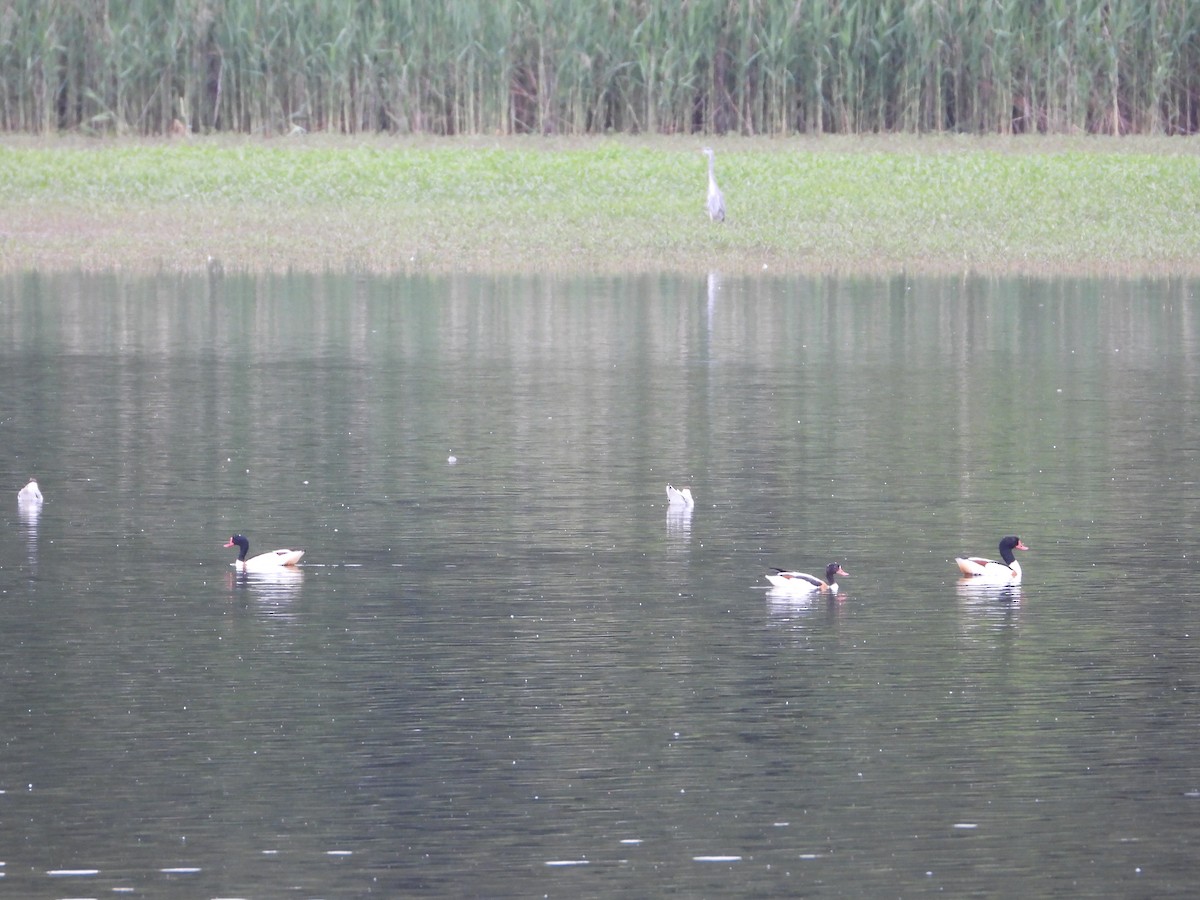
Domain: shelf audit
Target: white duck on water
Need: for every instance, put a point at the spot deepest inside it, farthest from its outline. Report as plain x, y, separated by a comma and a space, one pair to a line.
803, 583
1008, 571
30, 493
264, 562
680, 496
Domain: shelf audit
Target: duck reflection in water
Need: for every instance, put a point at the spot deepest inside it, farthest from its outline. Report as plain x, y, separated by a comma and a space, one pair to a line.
786, 609
989, 605
679, 522
279, 587
29, 512
979, 590
679, 513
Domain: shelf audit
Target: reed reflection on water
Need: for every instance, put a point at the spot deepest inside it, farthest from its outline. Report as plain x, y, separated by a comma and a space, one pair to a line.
526, 672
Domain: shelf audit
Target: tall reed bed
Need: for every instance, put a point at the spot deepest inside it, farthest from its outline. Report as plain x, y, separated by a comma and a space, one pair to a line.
570, 67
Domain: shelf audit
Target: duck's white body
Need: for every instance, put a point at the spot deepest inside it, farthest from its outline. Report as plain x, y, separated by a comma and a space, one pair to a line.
30, 493
1006, 571
803, 583
264, 562
978, 567
680, 496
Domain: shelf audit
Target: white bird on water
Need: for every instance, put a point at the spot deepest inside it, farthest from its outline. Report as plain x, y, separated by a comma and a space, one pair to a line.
716, 202
679, 497
272, 561
30, 493
803, 583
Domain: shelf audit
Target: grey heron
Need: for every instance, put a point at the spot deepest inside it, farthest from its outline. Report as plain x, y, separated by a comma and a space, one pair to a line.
716, 202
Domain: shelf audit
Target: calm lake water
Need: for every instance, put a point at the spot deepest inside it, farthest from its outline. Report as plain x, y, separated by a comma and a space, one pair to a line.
520, 674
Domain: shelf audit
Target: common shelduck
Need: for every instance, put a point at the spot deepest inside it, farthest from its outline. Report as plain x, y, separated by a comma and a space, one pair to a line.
802, 582
30, 493
1006, 572
264, 562
679, 496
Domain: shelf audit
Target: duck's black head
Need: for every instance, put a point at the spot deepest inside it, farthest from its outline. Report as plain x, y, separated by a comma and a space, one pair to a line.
1008, 545
239, 541
832, 571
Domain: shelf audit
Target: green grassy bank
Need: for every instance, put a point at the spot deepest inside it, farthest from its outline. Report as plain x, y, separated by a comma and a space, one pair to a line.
1036, 205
